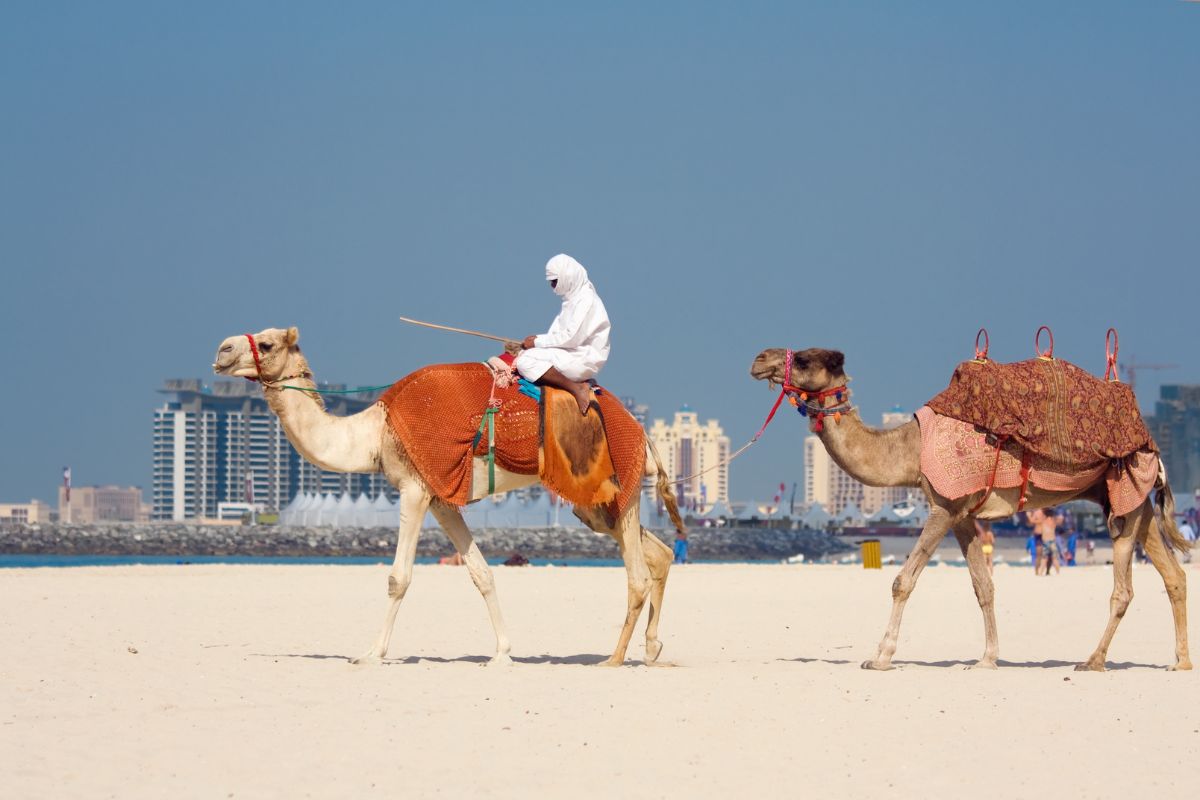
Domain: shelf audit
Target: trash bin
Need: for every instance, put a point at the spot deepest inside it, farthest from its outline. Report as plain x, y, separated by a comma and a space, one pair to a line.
871, 557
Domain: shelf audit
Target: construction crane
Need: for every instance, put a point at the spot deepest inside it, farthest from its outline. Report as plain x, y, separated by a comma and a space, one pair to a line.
1131, 367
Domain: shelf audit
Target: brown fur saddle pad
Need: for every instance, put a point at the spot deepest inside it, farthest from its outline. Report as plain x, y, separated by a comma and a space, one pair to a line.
1051, 407
436, 414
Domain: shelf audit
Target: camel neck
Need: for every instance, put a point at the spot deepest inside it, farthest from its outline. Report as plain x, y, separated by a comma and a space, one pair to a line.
874, 457
337, 444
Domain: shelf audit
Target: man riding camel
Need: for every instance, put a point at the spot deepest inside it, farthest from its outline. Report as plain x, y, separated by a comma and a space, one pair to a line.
570, 354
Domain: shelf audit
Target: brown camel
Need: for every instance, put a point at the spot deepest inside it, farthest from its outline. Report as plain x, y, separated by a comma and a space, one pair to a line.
892, 458
364, 443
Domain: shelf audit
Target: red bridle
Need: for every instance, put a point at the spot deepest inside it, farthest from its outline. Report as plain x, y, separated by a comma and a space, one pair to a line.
257, 360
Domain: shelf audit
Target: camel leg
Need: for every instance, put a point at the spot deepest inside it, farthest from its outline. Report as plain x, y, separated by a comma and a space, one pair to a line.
456, 529
1176, 582
628, 534
1122, 592
658, 561
931, 535
981, 581
414, 500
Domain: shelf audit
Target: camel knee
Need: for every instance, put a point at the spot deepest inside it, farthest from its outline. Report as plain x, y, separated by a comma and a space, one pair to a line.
482, 578
902, 587
1121, 599
398, 585
640, 587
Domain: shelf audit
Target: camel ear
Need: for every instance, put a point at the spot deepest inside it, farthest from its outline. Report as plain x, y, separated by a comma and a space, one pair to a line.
834, 360
292, 336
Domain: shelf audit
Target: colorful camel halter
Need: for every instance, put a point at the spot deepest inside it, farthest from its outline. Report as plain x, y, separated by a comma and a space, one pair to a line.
812, 404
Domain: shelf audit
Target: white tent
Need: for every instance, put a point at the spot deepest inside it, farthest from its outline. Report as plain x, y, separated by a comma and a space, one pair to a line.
816, 517
363, 512
384, 513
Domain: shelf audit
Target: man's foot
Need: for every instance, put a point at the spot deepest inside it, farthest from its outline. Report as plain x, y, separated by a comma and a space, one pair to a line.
583, 396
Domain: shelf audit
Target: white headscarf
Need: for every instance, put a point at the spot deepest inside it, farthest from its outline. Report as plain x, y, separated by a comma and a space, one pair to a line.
571, 276
581, 327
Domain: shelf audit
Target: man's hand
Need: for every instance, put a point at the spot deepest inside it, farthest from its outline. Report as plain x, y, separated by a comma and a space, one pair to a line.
512, 348
528, 343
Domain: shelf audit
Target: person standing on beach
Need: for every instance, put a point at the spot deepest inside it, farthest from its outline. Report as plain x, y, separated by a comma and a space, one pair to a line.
1045, 522
1189, 534
681, 548
570, 354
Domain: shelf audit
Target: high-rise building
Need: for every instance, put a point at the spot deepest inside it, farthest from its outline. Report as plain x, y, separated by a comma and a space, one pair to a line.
688, 448
222, 444
1175, 427
831, 486
102, 504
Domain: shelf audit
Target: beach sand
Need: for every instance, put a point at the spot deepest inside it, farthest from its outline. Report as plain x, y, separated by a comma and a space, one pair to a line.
240, 687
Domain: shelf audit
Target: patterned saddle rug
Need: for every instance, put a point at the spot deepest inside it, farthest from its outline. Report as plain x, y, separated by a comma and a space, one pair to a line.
1052, 408
593, 462
959, 459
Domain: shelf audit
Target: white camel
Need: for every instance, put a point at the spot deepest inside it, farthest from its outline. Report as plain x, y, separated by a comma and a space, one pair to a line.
363, 443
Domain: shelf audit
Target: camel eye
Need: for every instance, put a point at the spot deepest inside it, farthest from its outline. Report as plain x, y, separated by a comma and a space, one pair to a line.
265, 347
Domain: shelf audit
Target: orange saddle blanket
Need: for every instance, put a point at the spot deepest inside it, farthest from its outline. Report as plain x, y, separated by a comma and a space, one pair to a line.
1051, 407
594, 461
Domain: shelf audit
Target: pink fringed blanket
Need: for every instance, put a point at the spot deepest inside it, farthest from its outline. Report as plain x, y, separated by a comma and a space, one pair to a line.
957, 459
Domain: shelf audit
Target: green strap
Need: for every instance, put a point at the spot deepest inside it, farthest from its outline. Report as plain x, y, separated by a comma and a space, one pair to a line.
356, 390
488, 419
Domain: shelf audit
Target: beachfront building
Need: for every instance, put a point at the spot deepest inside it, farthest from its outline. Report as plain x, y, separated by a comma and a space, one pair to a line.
220, 443
91, 504
829, 485
688, 447
1175, 427
33, 512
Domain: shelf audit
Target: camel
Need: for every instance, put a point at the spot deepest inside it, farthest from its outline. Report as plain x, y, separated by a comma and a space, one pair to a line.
363, 443
892, 458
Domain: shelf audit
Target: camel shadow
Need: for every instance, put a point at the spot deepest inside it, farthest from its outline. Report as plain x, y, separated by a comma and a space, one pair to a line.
963, 663
584, 659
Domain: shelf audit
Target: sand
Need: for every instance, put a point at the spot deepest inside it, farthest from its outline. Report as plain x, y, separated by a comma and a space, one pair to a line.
239, 687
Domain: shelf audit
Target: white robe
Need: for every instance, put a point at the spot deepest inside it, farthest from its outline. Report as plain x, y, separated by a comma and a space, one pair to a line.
577, 342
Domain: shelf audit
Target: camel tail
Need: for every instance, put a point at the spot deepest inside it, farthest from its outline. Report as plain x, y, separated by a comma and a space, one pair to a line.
665, 492
1166, 509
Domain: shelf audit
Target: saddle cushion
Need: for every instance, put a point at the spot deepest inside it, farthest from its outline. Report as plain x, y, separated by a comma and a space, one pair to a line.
1051, 407
436, 412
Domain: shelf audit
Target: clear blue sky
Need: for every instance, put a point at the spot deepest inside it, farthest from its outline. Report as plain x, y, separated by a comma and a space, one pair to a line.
881, 178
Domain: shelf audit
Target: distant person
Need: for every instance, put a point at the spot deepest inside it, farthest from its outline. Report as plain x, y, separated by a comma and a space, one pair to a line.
681, 548
1069, 550
1188, 533
1045, 524
1031, 546
1090, 549
987, 538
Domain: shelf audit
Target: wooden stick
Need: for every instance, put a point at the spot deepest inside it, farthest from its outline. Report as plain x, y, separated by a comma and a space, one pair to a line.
460, 330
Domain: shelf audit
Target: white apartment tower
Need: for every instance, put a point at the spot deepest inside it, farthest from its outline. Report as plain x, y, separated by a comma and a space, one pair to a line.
214, 444
688, 447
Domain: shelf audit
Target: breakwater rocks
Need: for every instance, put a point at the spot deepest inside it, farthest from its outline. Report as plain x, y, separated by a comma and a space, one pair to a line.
720, 544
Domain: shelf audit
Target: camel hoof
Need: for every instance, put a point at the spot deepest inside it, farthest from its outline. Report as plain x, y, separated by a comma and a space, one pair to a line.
500, 660
611, 662
1181, 666
878, 666
1090, 666
983, 663
653, 649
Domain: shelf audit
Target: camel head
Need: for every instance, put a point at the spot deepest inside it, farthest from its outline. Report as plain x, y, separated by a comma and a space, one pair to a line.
278, 355
813, 370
